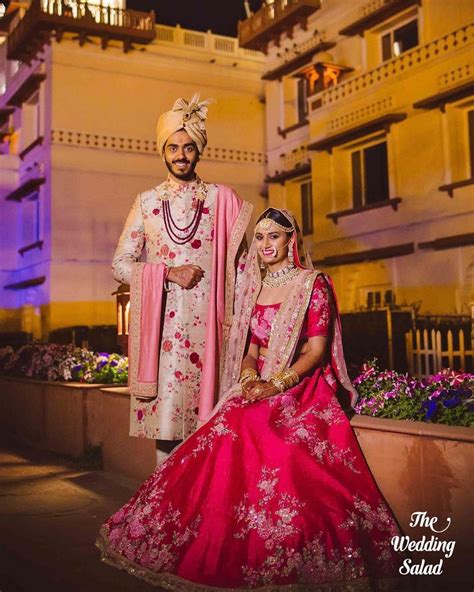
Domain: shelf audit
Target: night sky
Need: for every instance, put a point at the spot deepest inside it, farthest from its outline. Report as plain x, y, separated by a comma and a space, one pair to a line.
200, 15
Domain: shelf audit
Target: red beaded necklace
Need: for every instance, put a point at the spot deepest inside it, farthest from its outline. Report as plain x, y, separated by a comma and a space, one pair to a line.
181, 236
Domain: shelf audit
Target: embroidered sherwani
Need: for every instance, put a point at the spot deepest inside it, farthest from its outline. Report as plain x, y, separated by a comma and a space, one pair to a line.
173, 413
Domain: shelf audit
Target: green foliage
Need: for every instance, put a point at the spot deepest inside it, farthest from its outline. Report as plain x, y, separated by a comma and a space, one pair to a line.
446, 397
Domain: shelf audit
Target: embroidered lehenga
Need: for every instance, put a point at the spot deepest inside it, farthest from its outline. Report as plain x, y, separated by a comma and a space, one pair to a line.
273, 495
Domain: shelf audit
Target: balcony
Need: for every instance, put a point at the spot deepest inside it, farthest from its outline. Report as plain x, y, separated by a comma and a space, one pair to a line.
83, 18
273, 19
418, 57
376, 12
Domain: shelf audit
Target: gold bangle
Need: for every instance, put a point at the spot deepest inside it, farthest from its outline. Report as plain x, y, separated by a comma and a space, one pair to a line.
248, 374
285, 380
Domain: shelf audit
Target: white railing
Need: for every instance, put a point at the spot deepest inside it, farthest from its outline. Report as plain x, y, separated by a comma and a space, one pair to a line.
206, 41
429, 351
406, 62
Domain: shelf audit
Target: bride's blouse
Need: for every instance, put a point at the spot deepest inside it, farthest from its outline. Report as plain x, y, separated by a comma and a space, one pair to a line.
316, 322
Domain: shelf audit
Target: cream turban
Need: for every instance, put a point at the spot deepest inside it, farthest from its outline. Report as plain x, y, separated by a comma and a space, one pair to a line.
190, 116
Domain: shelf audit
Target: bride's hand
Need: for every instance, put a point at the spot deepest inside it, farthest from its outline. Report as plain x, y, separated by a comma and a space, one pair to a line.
248, 386
261, 390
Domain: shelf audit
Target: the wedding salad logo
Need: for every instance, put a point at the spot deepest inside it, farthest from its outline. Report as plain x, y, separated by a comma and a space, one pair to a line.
427, 543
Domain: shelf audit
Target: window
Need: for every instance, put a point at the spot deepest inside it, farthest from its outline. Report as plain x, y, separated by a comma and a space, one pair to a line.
30, 219
295, 108
301, 95
370, 175
30, 125
376, 298
307, 207
399, 39
470, 127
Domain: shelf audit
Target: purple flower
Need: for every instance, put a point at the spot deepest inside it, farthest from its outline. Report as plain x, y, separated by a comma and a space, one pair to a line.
452, 402
430, 408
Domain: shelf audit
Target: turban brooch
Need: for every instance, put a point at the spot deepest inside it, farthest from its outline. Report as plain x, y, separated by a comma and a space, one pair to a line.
188, 115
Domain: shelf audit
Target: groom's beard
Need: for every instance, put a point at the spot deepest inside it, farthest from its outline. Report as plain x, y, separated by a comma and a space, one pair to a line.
186, 174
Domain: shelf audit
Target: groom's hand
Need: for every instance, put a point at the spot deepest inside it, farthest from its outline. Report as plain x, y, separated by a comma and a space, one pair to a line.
186, 276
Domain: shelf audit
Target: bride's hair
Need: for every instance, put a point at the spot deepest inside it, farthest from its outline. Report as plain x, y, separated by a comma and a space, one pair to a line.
277, 217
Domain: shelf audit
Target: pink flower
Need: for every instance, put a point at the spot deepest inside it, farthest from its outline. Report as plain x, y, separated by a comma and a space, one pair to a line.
187, 343
205, 210
136, 529
177, 335
196, 243
156, 211
172, 255
194, 358
165, 250
167, 345
269, 314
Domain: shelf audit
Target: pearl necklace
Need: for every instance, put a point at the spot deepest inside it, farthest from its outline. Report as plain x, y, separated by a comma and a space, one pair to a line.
277, 279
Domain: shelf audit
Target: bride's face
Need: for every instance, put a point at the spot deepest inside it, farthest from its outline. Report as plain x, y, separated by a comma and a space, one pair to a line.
272, 242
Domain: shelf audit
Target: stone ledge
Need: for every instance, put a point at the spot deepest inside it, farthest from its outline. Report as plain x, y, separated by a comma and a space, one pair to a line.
413, 428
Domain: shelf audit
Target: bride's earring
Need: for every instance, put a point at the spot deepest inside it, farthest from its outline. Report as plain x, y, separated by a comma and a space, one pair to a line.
262, 265
291, 257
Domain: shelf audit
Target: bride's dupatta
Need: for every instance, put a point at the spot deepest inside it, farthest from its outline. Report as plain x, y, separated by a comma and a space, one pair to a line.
287, 326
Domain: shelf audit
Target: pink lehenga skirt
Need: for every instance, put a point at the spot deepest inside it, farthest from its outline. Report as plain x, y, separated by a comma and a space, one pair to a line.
274, 495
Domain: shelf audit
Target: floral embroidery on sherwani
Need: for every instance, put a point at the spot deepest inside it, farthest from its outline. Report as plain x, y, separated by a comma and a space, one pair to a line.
172, 415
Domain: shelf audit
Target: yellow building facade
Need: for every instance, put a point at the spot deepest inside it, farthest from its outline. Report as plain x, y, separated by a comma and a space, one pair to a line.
370, 140
79, 113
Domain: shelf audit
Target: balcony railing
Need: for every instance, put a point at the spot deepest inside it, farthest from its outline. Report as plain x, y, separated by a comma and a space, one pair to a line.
375, 12
272, 20
406, 62
84, 18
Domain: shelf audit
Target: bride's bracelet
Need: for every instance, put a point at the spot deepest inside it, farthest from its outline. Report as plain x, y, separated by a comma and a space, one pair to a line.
247, 375
285, 380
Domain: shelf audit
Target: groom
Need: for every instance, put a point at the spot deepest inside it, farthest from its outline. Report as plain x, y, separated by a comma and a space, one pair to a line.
181, 300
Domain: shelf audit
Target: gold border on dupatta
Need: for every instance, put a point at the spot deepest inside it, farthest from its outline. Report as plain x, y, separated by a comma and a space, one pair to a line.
290, 315
137, 389
237, 235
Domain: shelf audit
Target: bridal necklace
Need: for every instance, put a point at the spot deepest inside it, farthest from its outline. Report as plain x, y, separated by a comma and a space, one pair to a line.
277, 279
181, 236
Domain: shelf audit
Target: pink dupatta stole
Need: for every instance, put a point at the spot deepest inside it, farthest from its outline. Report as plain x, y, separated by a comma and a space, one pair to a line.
286, 330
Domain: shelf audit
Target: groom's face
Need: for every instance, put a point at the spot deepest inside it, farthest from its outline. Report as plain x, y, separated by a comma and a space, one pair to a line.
181, 156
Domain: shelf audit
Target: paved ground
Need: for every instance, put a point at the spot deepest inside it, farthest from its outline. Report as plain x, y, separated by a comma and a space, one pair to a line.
50, 514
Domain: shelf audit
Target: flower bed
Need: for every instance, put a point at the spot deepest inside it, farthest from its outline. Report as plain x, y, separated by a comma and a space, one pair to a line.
444, 398
55, 362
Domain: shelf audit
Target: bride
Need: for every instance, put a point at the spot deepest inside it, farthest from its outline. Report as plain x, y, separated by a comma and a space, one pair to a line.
272, 492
